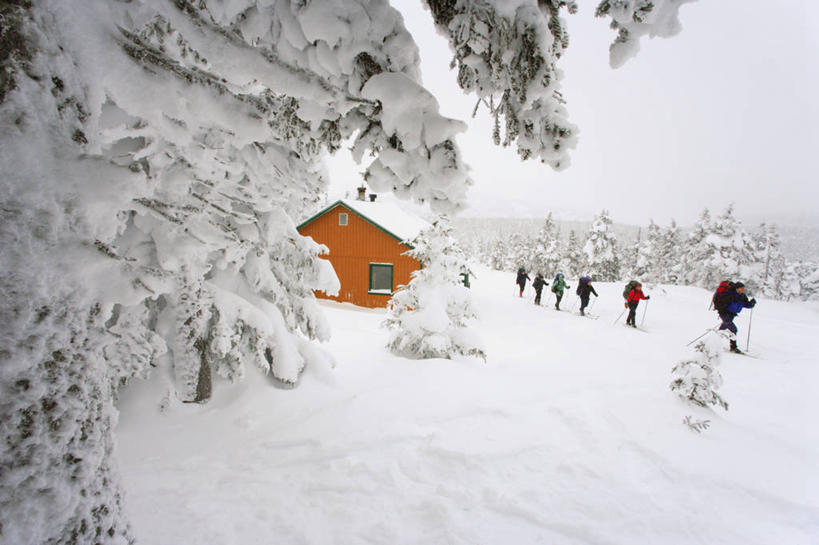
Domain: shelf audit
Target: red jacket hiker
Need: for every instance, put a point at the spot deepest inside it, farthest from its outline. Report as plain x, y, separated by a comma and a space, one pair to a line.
633, 300
635, 295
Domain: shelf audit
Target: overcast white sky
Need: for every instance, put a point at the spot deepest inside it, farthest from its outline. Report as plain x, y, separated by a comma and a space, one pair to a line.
725, 111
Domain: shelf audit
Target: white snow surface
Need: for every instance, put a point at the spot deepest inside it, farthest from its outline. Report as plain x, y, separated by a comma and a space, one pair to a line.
569, 434
390, 216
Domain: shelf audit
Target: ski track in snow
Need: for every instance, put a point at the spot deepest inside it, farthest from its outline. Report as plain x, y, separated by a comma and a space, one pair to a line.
569, 434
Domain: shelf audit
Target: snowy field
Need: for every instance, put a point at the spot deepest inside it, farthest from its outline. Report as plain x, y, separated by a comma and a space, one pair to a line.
569, 434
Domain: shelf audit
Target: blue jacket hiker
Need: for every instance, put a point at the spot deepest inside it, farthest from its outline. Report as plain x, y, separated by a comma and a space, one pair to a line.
729, 300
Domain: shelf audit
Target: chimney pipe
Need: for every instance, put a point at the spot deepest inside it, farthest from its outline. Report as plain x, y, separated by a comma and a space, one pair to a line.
362, 191
372, 197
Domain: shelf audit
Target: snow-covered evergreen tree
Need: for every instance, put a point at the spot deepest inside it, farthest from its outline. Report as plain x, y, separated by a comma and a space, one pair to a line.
728, 252
769, 264
808, 276
787, 282
669, 256
696, 252
573, 258
633, 263
602, 262
518, 252
495, 255
154, 157
546, 250
646, 266
430, 317
697, 380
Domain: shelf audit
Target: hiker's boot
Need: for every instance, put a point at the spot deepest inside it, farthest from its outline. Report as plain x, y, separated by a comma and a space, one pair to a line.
734, 348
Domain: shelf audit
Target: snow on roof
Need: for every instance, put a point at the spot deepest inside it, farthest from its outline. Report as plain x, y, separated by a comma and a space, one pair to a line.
388, 216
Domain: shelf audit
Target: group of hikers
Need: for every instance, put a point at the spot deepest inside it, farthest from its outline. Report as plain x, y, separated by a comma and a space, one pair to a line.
729, 299
559, 287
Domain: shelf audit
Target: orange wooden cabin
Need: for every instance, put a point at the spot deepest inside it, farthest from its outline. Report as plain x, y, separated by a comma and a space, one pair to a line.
366, 241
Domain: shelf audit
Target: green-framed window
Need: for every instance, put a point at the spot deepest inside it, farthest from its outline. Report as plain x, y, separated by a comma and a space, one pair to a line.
381, 278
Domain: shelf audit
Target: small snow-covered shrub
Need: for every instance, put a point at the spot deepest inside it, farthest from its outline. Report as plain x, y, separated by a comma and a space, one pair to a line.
697, 426
429, 317
697, 379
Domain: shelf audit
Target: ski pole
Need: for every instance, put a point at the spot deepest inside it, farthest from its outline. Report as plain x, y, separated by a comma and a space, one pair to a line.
645, 309
707, 331
750, 319
593, 303
621, 315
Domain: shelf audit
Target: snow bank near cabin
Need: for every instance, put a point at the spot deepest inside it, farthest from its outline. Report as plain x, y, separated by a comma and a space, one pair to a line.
568, 435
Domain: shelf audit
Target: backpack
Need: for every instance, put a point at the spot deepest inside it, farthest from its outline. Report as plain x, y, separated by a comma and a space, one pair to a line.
630, 286
582, 282
725, 287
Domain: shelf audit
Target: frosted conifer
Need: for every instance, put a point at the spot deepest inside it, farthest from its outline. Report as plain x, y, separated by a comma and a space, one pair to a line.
728, 251
646, 266
546, 248
808, 276
697, 379
429, 317
697, 252
572, 263
669, 258
154, 157
602, 262
770, 265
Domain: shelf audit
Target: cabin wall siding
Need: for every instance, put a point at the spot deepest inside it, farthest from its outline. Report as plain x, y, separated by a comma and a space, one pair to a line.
352, 248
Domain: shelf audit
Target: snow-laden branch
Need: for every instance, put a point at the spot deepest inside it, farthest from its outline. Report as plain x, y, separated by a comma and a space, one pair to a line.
633, 19
506, 53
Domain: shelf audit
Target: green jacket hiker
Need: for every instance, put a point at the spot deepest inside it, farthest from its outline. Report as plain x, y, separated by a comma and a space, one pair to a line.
559, 285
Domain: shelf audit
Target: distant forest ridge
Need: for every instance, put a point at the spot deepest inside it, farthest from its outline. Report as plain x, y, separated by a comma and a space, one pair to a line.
796, 242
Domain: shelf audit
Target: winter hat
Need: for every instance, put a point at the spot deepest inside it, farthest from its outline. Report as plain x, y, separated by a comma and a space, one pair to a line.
739, 285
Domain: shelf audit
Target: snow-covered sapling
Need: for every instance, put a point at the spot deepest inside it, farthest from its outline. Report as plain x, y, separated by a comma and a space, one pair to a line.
428, 318
697, 379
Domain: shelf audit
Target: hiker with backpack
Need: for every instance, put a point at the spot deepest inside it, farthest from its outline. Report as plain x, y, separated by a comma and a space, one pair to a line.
633, 294
558, 286
522, 278
584, 289
728, 301
538, 284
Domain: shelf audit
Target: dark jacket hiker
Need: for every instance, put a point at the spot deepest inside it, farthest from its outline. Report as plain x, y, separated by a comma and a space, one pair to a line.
521, 280
584, 289
538, 284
